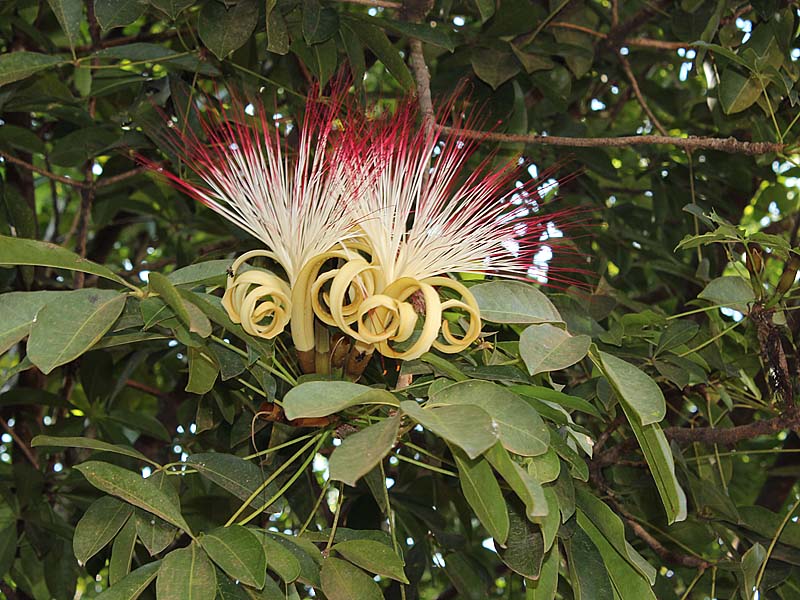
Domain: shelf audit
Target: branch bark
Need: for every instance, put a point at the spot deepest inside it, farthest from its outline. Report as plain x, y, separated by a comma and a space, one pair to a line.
730, 145
26, 450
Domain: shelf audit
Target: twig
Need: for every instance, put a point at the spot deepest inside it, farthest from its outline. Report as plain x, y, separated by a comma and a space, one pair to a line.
626, 66
30, 167
729, 144
121, 177
381, 3
87, 199
637, 41
146, 388
26, 450
669, 556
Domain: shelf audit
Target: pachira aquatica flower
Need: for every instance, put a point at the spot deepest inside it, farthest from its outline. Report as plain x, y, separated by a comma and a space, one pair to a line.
365, 222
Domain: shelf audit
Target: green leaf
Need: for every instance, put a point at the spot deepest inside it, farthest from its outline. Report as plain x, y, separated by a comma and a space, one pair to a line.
224, 29
486, 8
238, 552
118, 13
731, 291
514, 302
154, 532
132, 488
21, 251
66, 329
636, 390
552, 522
322, 398
610, 526
187, 573
19, 65
280, 560
737, 92
8, 546
319, 23
69, 14
468, 427
546, 394
363, 451
172, 8
588, 574
425, 32
375, 39
90, 444
343, 581
544, 468
187, 312
677, 334
751, 564
76, 147
494, 66
277, 32
132, 585
527, 489
658, 455
483, 494
98, 526
547, 348
209, 272
545, 587
524, 549
236, 475
122, 553
625, 579
468, 576
519, 427
202, 372
374, 557
17, 311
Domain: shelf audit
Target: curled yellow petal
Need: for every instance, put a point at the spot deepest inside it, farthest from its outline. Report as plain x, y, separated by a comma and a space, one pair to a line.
467, 304
401, 290
259, 300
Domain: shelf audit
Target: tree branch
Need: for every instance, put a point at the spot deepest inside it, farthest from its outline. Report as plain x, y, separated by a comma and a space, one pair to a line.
726, 436
26, 450
730, 145
626, 66
415, 12
121, 177
30, 167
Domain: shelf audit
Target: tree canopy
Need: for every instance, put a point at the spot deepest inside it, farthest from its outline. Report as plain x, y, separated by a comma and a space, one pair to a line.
624, 426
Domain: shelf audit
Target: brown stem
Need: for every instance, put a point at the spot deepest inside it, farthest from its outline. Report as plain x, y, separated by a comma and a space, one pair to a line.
121, 177
730, 145
30, 167
26, 450
727, 436
626, 66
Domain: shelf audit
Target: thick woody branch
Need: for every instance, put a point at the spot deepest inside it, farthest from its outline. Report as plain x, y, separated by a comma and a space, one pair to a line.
730, 145
725, 436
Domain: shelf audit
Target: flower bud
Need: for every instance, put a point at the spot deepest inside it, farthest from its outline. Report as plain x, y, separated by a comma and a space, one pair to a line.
789, 273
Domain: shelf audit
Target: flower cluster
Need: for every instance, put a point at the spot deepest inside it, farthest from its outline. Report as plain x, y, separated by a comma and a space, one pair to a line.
365, 217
